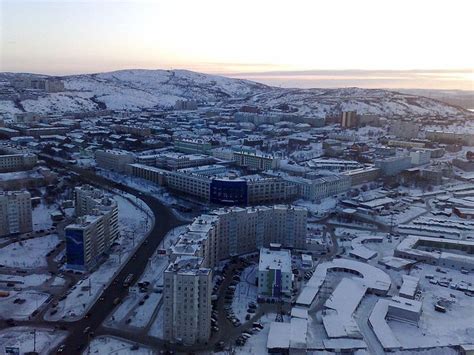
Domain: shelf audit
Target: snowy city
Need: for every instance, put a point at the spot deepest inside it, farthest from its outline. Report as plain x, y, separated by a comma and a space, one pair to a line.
171, 211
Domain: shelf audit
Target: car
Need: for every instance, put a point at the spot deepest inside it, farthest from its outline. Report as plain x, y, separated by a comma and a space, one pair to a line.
61, 349
88, 315
86, 330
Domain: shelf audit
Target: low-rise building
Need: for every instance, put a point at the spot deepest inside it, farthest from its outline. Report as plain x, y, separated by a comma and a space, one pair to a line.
275, 277
17, 162
256, 161
191, 146
115, 160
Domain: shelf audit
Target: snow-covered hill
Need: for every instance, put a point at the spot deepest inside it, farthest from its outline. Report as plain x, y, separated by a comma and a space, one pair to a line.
136, 89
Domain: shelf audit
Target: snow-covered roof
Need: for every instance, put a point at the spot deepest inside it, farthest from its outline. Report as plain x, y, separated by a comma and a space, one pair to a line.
372, 277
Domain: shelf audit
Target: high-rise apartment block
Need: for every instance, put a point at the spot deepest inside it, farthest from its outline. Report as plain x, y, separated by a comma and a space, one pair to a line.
15, 212
95, 230
213, 237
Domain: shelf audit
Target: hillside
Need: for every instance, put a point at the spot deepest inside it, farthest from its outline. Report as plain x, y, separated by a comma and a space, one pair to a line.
137, 89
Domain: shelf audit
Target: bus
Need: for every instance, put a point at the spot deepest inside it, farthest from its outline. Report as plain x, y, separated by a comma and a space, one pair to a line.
128, 280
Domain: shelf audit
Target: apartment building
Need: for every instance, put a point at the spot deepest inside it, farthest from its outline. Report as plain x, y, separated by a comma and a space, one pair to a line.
17, 162
256, 161
213, 237
96, 228
187, 301
141, 131
363, 175
349, 119
263, 190
322, 187
191, 146
175, 161
45, 131
116, 160
420, 157
15, 212
404, 129
185, 105
393, 165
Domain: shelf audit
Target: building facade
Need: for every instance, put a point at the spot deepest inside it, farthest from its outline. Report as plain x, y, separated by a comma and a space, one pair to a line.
15, 212
213, 237
275, 277
16, 162
96, 228
115, 160
256, 161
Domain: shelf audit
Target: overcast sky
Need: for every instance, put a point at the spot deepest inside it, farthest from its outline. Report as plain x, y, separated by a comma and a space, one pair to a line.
326, 43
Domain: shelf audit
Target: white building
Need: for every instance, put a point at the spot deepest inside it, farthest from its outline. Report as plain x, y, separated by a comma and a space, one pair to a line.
214, 237
420, 157
187, 301
275, 275
319, 188
404, 309
15, 212
96, 228
256, 161
15, 162
116, 160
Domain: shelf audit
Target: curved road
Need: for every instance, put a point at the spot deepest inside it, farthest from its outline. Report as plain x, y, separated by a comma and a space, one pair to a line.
165, 220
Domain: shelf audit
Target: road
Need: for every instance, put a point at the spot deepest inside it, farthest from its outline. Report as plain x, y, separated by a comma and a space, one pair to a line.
165, 220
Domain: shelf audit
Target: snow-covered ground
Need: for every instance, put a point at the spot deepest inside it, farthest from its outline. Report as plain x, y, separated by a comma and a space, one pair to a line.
23, 281
456, 326
245, 292
318, 209
41, 215
21, 311
111, 345
411, 212
134, 223
27, 339
29, 253
156, 329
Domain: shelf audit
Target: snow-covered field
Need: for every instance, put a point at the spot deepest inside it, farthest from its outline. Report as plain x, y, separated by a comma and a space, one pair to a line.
29, 253
23, 281
21, 311
26, 339
116, 346
138, 89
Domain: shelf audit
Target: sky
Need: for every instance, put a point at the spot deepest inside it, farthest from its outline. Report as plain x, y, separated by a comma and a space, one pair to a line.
305, 43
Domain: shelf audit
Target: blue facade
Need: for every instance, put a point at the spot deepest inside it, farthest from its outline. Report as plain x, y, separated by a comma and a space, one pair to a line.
276, 292
232, 192
75, 248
